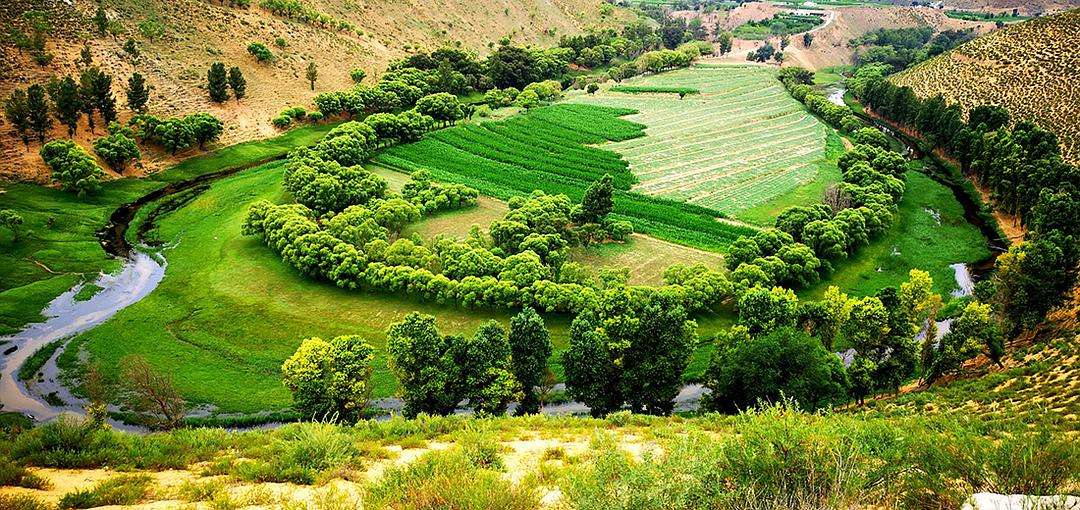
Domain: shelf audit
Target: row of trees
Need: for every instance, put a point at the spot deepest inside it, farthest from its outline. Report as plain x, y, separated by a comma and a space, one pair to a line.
1022, 167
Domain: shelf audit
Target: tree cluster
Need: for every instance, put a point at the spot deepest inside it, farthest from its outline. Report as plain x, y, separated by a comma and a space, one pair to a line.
71, 166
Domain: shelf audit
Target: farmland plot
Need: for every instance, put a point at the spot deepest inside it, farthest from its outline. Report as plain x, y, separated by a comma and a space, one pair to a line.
742, 142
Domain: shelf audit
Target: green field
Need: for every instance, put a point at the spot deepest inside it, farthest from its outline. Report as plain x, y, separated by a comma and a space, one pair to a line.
229, 310
58, 246
743, 142
550, 149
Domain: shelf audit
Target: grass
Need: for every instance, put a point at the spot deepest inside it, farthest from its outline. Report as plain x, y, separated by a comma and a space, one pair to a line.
59, 249
741, 143
915, 240
30, 368
87, 291
120, 490
656, 89
224, 324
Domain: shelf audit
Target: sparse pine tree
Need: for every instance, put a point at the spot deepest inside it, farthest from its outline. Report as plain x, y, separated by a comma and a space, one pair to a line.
101, 21
237, 83
67, 102
17, 113
217, 83
38, 108
86, 57
138, 93
312, 74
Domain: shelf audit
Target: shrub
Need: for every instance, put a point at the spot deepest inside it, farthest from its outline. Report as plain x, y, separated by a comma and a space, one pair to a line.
71, 166
119, 490
454, 479
260, 51
22, 502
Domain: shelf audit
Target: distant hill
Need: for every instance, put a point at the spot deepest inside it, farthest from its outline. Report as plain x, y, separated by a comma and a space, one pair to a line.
1031, 68
196, 33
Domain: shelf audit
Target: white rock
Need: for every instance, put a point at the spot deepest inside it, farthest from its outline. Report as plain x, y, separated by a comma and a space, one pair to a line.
991, 501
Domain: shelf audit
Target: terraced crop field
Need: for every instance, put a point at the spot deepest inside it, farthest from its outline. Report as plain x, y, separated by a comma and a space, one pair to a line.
554, 149
741, 143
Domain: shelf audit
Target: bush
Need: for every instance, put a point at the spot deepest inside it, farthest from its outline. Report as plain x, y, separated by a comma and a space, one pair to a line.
71, 166
747, 371
260, 51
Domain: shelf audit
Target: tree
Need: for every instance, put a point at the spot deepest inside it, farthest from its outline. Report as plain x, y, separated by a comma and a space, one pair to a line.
152, 393
530, 348
512, 66
38, 111
312, 74
151, 29
871, 136
138, 93
395, 214
421, 360
330, 379
71, 166
237, 83
67, 102
1031, 279
442, 106
117, 150
723, 42
807, 39
13, 221
101, 21
204, 127
597, 202
217, 83
592, 88
174, 134
96, 90
86, 57
786, 363
763, 310
357, 75
972, 333
17, 113
484, 361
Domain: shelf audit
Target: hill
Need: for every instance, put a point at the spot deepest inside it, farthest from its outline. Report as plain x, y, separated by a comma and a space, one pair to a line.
1031, 68
196, 33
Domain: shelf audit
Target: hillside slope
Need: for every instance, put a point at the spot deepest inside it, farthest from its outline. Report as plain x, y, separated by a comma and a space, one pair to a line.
1031, 68
199, 32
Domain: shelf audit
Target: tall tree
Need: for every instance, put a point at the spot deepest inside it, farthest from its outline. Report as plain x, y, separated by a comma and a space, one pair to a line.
138, 93
312, 73
96, 88
17, 112
330, 379
530, 348
101, 21
217, 83
38, 109
237, 83
67, 102
597, 202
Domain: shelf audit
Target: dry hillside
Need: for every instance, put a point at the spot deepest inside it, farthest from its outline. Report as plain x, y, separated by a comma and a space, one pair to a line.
830, 45
199, 32
1031, 68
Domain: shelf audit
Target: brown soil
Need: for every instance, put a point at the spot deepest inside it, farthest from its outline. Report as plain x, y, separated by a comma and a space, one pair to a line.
200, 32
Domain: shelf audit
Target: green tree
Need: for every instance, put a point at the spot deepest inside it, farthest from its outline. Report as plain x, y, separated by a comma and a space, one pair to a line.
442, 106
71, 166
12, 221
204, 127
530, 348
67, 101
138, 93
394, 214
101, 21
312, 73
422, 361
174, 134
762, 310
151, 29
357, 75
871, 136
17, 113
597, 202
237, 83
117, 150
38, 111
786, 363
807, 39
217, 83
723, 42
96, 90
330, 379
484, 362
974, 332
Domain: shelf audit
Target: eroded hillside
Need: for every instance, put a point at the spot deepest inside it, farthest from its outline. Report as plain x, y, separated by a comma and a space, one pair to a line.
1031, 68
199, 32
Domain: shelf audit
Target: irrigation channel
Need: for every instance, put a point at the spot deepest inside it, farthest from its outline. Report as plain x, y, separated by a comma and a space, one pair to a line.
46, 396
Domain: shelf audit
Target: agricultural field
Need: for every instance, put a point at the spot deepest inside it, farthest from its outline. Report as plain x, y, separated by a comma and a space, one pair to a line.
1030, 68
741, 143
553, 149
782, 23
